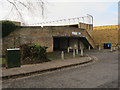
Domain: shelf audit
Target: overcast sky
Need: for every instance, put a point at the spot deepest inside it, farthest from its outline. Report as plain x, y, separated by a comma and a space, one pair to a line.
105, 12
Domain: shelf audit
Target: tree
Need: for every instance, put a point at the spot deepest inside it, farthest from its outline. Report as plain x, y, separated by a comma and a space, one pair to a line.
32, 7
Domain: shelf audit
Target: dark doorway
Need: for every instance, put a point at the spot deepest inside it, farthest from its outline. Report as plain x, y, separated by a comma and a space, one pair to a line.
56, 44
60, 43
107, 45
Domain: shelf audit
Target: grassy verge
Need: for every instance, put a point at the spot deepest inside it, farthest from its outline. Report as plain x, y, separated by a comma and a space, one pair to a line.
51, 56
2, 61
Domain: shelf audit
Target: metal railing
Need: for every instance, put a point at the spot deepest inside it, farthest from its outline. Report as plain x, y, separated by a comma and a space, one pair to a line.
70, 21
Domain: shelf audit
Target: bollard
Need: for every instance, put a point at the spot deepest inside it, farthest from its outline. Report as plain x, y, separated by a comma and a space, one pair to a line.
62, 55
99, 48
68, 50
114, 48
77, 51
73, 53
111, 49
81, 52
89, 48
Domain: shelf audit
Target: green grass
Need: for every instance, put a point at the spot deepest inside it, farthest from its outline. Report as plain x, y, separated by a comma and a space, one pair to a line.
2, 60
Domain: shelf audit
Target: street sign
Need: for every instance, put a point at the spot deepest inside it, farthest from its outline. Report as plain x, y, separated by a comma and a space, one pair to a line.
76, 33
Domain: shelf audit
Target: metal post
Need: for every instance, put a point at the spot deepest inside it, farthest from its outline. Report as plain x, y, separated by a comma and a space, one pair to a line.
81, 52
89, 48
68, 49
111, 49
65, 21
77, 51
73, 53
83, 19
114, 48
69, 21
99, 48
62, 55
78, 20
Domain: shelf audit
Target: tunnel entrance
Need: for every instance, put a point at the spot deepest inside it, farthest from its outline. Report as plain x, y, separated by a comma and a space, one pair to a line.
62, 43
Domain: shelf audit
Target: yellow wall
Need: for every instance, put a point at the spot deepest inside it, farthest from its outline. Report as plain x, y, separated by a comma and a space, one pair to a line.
105, 34
115, 27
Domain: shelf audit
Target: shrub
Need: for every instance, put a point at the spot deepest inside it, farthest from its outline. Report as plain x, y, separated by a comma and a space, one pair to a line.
7, 28
25, 51
37, 51
33, 53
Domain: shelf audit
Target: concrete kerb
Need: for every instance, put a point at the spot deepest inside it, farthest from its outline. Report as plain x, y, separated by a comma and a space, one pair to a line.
91, 59
110, 51
104, 50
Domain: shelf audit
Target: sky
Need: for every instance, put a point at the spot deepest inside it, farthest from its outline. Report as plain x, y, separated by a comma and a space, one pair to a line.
104, 12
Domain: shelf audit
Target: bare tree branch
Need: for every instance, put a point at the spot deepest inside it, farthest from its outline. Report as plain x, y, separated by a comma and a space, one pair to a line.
30, 6
15, 6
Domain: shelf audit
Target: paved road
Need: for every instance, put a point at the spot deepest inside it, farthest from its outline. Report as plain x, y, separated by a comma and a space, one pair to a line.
102, 73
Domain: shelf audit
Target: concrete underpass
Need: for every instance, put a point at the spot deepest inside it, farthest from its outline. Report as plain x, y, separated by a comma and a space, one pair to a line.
62, 43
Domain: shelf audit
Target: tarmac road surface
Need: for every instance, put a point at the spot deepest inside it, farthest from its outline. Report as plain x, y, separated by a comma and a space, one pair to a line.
100, 74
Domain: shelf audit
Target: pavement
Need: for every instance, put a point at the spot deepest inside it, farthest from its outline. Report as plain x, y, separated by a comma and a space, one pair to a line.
26, 70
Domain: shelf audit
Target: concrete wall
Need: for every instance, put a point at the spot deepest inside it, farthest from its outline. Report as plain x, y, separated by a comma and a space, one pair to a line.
73, 42
43, 36
85, 26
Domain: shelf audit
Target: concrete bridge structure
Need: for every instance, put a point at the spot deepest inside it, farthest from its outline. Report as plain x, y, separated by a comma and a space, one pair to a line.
54, 37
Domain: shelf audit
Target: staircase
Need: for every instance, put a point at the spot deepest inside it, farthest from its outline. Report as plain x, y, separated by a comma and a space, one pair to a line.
90, 40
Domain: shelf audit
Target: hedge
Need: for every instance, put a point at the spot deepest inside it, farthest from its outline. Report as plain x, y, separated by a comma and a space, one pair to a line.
7, 28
